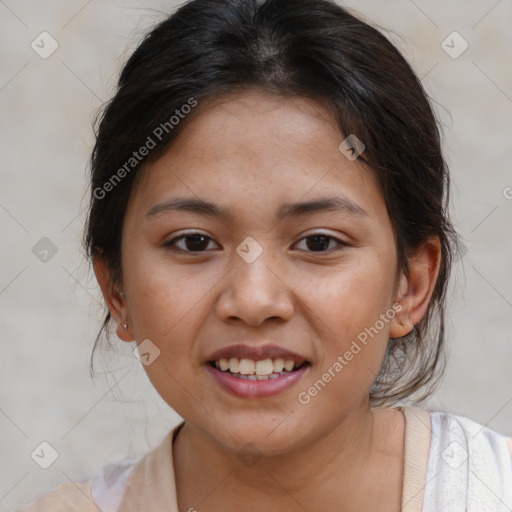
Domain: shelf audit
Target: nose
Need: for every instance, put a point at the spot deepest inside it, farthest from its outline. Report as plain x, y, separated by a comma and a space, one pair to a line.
254, 292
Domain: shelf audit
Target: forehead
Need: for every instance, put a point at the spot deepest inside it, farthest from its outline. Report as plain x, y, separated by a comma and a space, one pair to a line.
258, 149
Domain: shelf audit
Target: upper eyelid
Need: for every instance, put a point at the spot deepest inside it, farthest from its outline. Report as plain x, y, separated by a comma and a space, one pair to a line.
318, 231
186, 234
302, 237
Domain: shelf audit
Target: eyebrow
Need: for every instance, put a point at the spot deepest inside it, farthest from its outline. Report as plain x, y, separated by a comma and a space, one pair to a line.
206, 208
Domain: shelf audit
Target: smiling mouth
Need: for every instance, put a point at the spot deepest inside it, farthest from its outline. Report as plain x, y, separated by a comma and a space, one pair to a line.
263, 369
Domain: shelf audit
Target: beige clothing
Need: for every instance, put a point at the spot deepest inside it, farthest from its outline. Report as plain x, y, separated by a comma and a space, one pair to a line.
151, 484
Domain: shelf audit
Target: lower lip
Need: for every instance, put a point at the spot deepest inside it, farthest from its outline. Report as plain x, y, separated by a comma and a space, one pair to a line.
256, 388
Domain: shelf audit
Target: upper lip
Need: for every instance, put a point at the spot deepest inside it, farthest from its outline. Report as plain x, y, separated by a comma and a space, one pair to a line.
256, 353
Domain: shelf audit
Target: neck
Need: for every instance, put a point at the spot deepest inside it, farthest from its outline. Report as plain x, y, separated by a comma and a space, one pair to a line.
335, 468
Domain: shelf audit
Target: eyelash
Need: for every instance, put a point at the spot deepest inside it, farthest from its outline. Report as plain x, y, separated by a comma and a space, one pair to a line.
171, 243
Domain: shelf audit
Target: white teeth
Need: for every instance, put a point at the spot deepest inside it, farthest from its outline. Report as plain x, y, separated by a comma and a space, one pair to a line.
288, 365
264, 367
247, 366
278, 364
233, 365
256, 370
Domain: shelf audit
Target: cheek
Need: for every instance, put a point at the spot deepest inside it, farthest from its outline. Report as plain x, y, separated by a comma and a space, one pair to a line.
164, 297
349, 302
164, 301
354, 294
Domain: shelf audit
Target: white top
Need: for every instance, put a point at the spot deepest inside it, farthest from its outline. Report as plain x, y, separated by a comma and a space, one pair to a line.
452, 464
469, 467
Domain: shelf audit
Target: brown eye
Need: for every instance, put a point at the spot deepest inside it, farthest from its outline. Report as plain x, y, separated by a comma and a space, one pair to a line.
320, 242
194, 242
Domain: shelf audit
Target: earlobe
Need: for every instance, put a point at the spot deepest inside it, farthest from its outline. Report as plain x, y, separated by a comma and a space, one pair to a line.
415, 290
113, 296
123, 332
401, 325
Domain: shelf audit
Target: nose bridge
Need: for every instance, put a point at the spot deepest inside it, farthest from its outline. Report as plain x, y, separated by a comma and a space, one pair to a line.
253, 291
251, 265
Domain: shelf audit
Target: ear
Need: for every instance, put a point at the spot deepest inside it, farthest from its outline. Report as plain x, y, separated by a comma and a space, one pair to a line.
114, 297
415, 290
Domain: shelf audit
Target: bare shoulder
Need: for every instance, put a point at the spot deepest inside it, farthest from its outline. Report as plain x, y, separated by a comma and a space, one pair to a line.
66, 497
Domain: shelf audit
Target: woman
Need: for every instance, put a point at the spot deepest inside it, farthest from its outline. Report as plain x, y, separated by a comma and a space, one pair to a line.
269, 223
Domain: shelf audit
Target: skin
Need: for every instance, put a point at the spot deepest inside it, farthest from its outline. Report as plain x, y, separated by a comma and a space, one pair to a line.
252, 152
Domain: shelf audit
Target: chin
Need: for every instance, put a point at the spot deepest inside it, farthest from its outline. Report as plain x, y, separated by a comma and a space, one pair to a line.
267, 434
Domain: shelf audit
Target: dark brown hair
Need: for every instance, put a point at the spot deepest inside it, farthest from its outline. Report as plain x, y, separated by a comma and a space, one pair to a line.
311, 48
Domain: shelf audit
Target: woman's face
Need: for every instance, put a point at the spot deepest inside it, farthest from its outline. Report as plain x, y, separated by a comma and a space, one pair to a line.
253, 286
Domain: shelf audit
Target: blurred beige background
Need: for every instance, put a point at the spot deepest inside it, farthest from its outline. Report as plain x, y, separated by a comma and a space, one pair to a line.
50, 310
